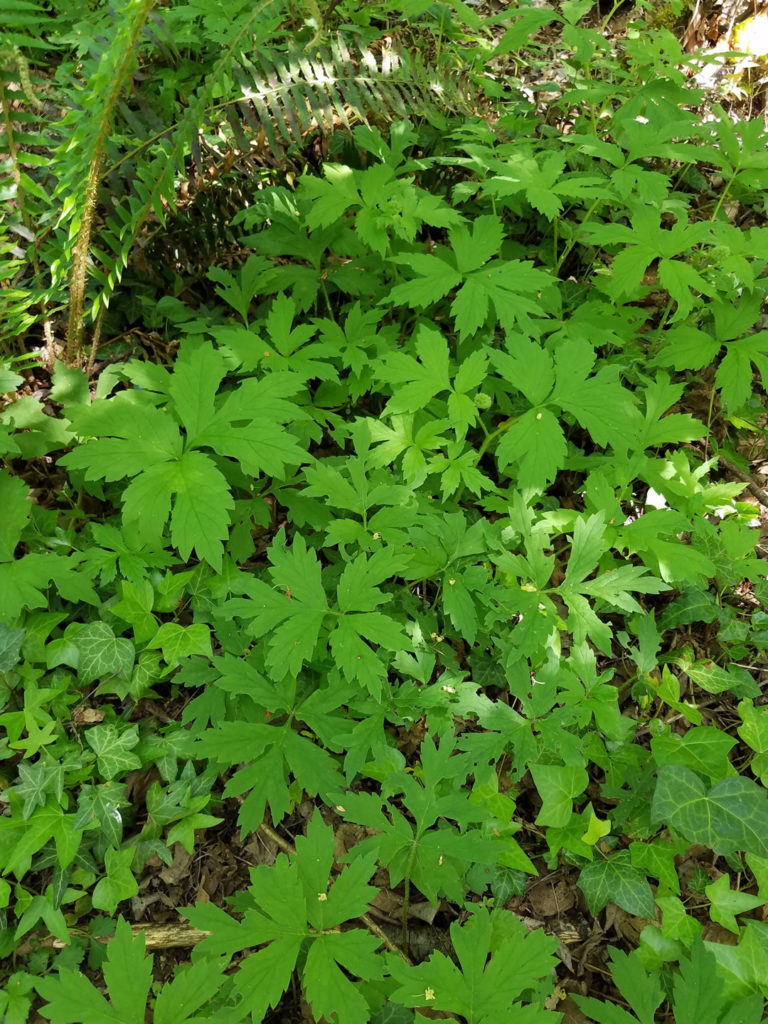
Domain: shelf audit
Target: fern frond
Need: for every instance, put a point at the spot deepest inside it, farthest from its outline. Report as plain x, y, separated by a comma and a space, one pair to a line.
262, 99
328, 88
88, 141
26, 205
275, 100
22, 21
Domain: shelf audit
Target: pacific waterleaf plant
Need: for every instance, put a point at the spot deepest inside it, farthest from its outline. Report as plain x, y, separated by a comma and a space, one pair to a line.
293, 911
171, 459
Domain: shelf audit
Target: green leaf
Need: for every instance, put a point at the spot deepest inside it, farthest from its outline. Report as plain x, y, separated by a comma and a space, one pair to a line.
14, 513
529, 367
10, 646
135, 607
70, 385
732, 816
264, 976
480, 989
196, 376
436, 277
138, 436
269, 750
557, 786
177, 642
21, 839
199, 520
9, 380
102, 654
292, 905
119, 883
614, 880
416, 383
697, 988
727, 902
72, 999
536, 442
101, 805
113, 749
249, 425
192, 987
735, 374
329, 991
642, 991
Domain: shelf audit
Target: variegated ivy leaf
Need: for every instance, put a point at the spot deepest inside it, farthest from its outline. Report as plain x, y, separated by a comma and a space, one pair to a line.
102, 654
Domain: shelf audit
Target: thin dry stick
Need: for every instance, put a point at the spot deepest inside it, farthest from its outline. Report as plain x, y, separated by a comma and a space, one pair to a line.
156, 936
752, 486
367, 920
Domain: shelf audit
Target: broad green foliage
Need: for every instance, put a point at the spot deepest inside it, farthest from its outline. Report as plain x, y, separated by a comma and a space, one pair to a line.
498, 963
424, 551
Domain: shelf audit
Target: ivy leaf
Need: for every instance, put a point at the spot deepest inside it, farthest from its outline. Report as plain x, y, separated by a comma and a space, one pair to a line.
113, 749
102, 654
10, 646
727, 903
744, 968
732, 816
614, 880
101, 805
184, 831
178, 642
135, 607
20, 839
658, 860
119, 883
557, 786
35, 783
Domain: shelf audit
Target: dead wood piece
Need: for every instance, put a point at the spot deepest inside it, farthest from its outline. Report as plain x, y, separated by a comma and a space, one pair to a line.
752, 486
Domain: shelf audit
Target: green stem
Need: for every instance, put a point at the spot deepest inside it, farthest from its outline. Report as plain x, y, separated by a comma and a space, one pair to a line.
487, 442
407, 896
575, 238
723, 196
